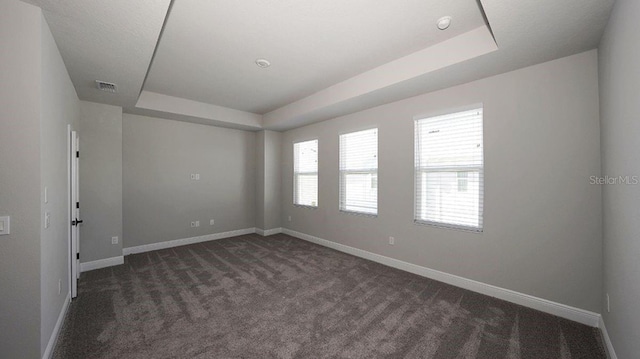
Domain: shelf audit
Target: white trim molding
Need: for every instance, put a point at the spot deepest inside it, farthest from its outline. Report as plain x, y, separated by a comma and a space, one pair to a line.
607, 341
101, 263
185, 241
268, 232
561, 310
48, 352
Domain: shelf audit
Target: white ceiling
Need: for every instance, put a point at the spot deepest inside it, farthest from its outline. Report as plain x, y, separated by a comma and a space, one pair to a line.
329, 58
208, 47
104, 40
527, 32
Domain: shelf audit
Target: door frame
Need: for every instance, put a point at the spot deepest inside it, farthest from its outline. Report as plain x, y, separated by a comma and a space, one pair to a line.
72, 184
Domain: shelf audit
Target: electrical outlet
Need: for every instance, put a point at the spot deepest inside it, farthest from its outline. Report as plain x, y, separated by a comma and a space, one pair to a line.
197, 223
114, 240
392, 241
212, 222
608, 304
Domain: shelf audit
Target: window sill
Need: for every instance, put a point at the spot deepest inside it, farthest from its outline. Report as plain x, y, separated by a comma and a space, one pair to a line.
449, 226
363, 214
305, 206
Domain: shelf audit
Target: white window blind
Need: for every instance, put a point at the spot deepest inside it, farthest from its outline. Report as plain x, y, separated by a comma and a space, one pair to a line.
305, 173
449, 170
359, 172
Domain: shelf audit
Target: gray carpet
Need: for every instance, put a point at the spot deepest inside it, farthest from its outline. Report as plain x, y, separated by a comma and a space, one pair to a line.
281, 297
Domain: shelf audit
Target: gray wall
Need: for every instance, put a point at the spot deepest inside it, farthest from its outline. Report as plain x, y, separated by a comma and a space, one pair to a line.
33, 155
20, 58
159, 198
100, 180
268, 179
542, 219
620, 121
59, 109
260, 183
272, 179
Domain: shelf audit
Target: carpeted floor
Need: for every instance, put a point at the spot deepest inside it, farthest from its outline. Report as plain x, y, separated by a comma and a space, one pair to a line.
281, 297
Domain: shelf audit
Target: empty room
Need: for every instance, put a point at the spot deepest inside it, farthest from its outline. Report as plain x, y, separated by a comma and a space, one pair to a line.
319, 179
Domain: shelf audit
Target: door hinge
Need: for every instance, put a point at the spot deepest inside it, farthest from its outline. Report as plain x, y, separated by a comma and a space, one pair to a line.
77, 154
77, 204
78, 256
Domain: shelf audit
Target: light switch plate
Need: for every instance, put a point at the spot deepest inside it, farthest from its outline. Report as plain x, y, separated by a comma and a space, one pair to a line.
5, 223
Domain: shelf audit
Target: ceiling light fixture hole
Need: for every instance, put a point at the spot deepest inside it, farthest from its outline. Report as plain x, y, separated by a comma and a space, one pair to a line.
444, 22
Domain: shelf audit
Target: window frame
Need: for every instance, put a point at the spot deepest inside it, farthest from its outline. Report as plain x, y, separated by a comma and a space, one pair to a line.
462, 168
296, 174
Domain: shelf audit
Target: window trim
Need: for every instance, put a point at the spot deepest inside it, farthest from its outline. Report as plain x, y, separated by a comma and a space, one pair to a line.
342, 173
480, 171
317, 173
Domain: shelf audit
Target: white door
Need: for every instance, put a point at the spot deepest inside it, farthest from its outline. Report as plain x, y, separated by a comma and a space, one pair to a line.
75, 212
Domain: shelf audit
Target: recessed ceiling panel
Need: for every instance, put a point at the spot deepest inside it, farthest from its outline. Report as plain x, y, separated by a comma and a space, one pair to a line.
208, 49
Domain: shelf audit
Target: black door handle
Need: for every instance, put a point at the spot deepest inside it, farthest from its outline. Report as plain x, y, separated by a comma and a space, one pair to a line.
76, 222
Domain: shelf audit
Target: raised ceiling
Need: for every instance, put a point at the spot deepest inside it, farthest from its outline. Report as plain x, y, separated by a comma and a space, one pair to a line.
329, 58
208, 47
103, 40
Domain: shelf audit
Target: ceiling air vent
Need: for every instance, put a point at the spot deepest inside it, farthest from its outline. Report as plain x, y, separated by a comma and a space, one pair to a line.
107, 86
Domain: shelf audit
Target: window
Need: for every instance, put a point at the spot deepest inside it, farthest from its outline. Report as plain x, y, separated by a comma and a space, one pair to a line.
359, 172
449, 170
305, 173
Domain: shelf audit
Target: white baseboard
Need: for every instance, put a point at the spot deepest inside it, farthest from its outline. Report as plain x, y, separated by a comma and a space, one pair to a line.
48, 352
101, 263
185, 241
561, 310
607, 340
268, 232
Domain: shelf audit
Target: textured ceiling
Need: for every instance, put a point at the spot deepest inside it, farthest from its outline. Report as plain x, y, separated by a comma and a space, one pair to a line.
330, 58
107, 40
527, 32
208, 47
